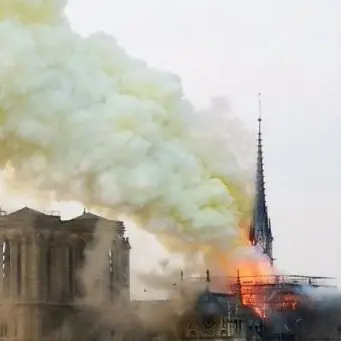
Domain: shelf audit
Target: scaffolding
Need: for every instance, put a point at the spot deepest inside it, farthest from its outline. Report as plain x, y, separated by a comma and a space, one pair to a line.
257, 284
286, 280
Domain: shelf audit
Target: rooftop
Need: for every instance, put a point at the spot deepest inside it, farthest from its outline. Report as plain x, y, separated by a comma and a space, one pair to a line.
40, 220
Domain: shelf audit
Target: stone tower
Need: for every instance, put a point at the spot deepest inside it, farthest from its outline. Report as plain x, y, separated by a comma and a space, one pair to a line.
42, 258
260, 229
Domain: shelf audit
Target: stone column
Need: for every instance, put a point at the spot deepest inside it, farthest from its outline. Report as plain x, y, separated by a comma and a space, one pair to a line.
65, 271
7, 270
25, 262
37, 269
59, 270
229, 331
40, 289
53, 280
117, 270
14, 268
72, 264
111, 274
125, 266
232, 328
102, 279
244, 328
69, 289
1, 268
81, 249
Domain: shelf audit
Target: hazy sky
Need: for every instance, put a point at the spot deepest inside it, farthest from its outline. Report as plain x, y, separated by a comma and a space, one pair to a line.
288, 50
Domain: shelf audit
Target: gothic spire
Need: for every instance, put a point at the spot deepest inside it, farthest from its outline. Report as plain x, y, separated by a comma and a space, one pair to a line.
260, 183
260, 229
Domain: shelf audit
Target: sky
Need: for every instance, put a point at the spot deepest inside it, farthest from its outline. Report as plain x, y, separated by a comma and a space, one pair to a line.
290, 52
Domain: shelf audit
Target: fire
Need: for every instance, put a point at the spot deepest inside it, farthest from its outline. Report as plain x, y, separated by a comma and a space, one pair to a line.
254, 271
258, 284
255, 275
287, 301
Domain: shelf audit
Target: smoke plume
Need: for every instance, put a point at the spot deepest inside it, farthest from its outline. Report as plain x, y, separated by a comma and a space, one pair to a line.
96, 310
82, 120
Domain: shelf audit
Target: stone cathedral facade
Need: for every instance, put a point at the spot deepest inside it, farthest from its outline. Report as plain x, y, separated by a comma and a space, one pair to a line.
41, 257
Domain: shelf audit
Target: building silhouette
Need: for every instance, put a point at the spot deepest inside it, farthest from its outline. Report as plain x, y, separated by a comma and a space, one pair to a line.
41, 259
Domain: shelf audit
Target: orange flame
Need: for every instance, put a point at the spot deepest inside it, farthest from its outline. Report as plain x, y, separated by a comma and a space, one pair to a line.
254, 273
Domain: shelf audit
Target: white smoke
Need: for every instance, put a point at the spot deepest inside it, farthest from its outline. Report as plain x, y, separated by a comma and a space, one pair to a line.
81, 119
217, 128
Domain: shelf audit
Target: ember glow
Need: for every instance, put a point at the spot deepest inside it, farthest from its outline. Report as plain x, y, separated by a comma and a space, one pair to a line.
254, 271
254, 278
287, 301
255, 275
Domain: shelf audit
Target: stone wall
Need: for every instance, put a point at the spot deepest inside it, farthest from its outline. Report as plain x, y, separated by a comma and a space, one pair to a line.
41, 258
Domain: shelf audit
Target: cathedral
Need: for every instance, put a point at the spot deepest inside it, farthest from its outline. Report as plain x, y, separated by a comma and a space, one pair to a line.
41, 259
45, 296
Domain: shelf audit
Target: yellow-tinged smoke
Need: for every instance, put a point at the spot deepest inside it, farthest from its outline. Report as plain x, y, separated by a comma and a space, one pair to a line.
33, 11
81, 119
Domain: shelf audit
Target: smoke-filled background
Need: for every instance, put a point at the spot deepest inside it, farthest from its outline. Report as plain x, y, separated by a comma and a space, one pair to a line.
287, 51
216, 49
83, 121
